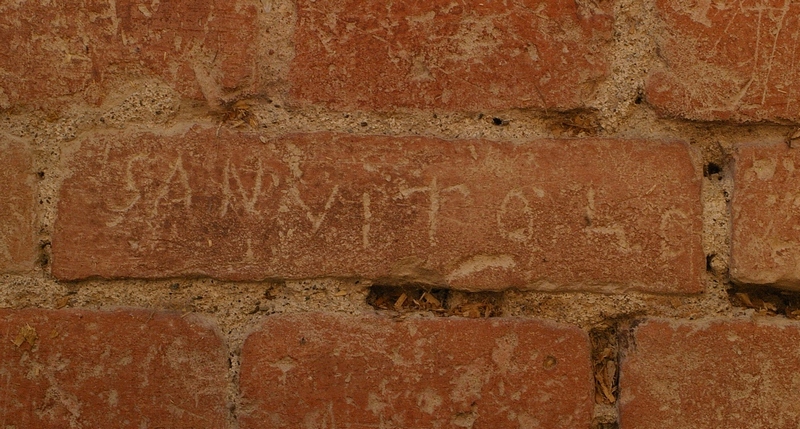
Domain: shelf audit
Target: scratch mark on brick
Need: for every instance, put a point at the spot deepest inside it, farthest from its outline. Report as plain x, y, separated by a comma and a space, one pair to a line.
365, 202
786, 5
248, 202
315, 219
183, 177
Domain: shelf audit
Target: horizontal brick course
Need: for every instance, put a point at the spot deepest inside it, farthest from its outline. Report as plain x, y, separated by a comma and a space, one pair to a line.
467, 55
74, 47
603, 215
314, 370
727, 62
766, 241
121, 369
712, 374
17, 207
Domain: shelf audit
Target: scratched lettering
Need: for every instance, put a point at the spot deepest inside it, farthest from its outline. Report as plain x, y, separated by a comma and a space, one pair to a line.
178, 175
436, 197
481, 215
314, 218
523, 218
247, 199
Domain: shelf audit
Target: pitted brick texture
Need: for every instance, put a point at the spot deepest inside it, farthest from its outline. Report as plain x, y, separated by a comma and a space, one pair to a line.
712, 374
766, 212
317, 370
467, 55
121, 369
17, 207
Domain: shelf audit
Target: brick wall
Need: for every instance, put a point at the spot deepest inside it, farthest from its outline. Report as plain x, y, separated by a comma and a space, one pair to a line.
340, 213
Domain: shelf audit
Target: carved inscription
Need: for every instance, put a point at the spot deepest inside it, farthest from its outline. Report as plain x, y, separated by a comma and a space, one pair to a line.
476, 215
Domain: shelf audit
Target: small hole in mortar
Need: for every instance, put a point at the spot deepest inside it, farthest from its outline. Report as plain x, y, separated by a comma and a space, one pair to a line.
409, 297
711, 169
44, 255
709, 261
766, 301
441, 302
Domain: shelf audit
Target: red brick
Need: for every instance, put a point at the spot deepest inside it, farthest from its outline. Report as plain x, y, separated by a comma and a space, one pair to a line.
469, 55
121, 369
84, 48
732, 61
604, 215
712, 374
17, 207
316, 370
766, 241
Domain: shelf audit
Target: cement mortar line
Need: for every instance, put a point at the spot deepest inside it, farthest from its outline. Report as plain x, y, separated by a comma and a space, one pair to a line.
326, 295
532, 125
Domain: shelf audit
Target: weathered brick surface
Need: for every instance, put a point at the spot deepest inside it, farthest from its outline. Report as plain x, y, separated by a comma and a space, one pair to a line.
57, 49
727, 61
314, 370
712, 374
557, 215
766, 215
456, 55
121, 369
17, 205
